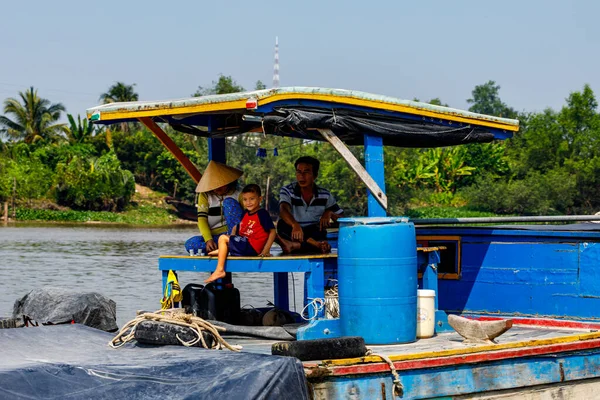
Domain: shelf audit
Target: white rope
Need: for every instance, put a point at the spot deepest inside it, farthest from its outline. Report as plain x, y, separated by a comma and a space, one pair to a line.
318, 306
398, 388
332, 304
175, 316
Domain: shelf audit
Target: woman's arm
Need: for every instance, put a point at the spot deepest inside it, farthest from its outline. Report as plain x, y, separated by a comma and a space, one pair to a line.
203, 217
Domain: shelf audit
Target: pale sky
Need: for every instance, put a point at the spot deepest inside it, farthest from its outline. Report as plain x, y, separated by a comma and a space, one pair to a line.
72, 51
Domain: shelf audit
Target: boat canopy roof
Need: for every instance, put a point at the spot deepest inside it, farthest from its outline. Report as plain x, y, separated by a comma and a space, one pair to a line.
300, 111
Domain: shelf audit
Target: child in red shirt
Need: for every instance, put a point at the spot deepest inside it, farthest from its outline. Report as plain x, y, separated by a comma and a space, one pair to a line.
253, 236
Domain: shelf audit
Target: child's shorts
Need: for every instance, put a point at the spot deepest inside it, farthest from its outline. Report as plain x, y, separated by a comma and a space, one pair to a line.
240, 246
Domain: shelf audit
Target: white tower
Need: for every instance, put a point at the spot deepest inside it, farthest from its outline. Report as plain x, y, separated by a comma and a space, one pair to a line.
276, 67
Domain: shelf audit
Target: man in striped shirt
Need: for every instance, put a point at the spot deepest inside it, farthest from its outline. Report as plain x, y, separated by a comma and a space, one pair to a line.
305, 211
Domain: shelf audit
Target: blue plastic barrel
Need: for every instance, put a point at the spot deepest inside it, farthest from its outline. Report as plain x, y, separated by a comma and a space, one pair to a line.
377, 279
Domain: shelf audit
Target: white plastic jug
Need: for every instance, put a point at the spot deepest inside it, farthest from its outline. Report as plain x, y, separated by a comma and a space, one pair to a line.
425, 313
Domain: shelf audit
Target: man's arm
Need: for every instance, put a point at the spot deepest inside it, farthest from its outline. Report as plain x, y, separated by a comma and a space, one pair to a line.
332, 212
285, 213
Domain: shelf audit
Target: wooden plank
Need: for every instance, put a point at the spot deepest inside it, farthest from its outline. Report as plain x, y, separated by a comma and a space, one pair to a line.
583, 389
362, 173
464, 359
547, 323
173, 148
592, 337
277, 258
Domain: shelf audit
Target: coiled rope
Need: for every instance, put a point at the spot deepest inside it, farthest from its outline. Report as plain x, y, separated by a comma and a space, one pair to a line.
175, 316
330, 304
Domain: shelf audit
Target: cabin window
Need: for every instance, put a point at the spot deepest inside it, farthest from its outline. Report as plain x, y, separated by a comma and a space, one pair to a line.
449, 266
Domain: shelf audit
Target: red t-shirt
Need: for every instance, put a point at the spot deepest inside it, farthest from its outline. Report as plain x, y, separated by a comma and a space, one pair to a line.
256, 228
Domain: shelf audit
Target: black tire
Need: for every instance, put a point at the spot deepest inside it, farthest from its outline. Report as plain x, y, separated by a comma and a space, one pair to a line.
162, 333
322, 349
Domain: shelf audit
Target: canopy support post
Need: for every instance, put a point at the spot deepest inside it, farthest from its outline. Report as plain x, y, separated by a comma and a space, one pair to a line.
377, 198
374, 164
172, 147
216, 146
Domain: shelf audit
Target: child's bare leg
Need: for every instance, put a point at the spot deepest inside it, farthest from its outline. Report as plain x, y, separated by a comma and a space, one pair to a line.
287, 246
222, 253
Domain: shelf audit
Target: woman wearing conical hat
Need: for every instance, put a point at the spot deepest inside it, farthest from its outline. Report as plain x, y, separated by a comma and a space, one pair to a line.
218, 202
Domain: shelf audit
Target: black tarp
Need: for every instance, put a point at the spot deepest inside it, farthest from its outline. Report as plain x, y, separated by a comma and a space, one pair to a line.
55, 306
351, 125
75, 362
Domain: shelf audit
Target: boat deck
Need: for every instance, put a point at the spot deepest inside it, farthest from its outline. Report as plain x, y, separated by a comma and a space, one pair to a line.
450, 343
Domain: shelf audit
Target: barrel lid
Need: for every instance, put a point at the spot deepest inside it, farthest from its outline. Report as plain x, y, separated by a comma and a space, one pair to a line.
372, 220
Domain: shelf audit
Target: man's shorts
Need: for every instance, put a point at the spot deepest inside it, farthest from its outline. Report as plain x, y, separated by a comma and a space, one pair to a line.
240, 246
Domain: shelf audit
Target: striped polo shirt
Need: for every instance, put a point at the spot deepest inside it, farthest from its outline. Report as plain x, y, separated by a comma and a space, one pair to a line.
307, 214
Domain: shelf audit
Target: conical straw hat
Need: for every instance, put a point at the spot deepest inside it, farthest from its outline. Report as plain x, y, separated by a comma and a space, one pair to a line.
217, 175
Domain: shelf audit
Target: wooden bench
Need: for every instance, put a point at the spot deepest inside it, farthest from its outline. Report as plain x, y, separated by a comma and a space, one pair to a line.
315, 267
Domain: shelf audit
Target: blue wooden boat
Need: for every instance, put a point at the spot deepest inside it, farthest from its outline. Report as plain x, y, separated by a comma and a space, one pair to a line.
543, 277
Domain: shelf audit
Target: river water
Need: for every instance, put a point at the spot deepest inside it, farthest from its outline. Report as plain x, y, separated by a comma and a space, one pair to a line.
117, 261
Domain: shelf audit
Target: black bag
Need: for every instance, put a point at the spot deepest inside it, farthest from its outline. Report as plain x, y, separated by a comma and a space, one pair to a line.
212, 302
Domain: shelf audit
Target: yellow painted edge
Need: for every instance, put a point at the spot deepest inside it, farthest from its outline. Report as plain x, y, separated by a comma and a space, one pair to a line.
241, 105
257, 258
469, 350
388, 107
155, 112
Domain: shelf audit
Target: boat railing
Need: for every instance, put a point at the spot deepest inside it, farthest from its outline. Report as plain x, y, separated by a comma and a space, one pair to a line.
488, 220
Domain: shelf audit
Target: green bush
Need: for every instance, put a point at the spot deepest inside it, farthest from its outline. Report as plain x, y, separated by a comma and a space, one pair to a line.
88, 184
26, 177
537, 194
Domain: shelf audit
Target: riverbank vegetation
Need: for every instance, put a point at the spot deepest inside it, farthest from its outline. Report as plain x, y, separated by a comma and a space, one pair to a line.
50, 170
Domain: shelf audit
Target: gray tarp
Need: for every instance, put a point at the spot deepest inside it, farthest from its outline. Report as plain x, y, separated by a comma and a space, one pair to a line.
60, 306
75, 362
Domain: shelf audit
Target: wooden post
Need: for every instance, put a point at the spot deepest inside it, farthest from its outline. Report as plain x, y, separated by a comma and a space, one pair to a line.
14, 209
172, 147
267, 193
376, 193
6, 212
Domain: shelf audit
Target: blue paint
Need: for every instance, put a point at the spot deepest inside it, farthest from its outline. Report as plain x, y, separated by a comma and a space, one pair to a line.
320, 329
216, 146
521, 373
312, 267
533, 273
375, 168
216, 150
377, 277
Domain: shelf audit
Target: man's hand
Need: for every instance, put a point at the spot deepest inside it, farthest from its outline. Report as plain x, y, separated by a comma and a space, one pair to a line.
211, 246
265, 254
297, 233
325, 220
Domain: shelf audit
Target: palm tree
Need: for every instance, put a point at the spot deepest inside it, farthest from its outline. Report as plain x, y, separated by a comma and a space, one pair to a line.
119, 92
78, 130
34, 118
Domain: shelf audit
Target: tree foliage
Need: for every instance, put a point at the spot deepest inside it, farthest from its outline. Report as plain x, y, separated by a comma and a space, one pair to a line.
551, 166
223, 85
78, 131
119, 92
31, 118
96, 184
486, 100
